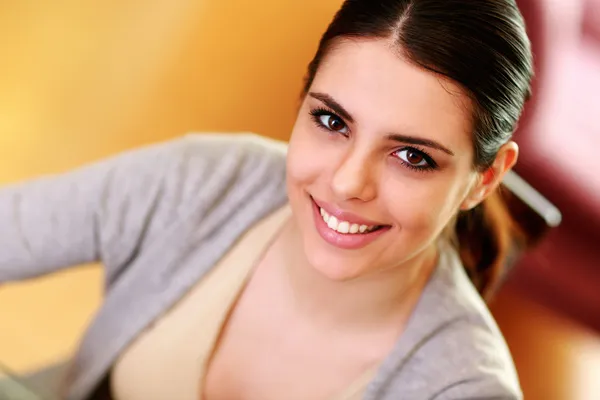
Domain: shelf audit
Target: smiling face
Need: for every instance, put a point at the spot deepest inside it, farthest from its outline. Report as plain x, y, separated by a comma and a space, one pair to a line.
382, 143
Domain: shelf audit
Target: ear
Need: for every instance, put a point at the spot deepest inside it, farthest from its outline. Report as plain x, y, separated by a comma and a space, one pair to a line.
489, 179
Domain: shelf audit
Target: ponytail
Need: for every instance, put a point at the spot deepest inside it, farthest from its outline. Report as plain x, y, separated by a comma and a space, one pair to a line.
485, 237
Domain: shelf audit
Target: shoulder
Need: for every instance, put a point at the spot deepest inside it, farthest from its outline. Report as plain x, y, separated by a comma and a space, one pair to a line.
219, 144
205, 170
470, 345
223, 150
201, 165
185, 184
214, 148
190, 159
452, 348
241, 163
472, 361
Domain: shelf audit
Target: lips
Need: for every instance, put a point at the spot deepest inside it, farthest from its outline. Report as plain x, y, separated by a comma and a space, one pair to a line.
347, 241
345, 226
342, 215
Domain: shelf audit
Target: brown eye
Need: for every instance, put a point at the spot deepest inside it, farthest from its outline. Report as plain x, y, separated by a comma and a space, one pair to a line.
414, 158
333, 123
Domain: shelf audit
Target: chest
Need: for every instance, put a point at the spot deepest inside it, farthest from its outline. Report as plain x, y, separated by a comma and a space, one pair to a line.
265, 352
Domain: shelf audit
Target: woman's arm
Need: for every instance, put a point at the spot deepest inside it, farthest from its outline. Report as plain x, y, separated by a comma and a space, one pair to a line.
93, 213
115, 209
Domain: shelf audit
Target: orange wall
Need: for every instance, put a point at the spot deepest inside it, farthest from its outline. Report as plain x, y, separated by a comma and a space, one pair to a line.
81, 80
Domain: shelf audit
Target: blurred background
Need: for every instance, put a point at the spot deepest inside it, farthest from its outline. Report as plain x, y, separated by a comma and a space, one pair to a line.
80, 80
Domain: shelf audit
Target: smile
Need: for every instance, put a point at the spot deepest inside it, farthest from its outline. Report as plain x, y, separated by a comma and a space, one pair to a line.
345, 226
345, 230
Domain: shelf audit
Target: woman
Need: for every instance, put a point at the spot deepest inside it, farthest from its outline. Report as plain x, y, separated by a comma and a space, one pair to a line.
237, 271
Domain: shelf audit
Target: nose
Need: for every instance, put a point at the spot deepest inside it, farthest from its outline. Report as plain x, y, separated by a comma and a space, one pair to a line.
355, 178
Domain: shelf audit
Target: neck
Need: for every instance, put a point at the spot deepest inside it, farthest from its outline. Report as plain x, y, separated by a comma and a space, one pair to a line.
372, 300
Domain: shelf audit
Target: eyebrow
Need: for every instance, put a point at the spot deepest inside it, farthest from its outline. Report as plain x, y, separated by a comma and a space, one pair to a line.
339, 109
419, 141
334, 105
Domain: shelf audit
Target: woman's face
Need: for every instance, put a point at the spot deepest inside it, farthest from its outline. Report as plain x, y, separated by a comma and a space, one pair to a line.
383, 150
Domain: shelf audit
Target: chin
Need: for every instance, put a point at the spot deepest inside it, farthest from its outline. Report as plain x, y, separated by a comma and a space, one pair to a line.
332, 265
336, 271
325, 255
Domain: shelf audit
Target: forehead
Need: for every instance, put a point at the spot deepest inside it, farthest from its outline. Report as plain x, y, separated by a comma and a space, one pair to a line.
382, 89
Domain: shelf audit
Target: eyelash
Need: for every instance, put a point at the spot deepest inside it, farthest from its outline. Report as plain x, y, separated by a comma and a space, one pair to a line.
431, 165
319, 112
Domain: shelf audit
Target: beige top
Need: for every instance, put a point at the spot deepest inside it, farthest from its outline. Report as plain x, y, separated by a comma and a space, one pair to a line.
169, 359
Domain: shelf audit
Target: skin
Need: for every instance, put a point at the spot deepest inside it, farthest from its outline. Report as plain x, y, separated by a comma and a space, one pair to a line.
339, 312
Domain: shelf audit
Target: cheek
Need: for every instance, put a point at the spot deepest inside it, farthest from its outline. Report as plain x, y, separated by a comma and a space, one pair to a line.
298, 169
305, 157
423, 207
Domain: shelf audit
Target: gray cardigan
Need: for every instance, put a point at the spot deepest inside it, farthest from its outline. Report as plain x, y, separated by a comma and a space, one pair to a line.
158, 218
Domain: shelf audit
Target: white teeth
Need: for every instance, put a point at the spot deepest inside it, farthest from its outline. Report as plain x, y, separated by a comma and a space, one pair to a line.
343, 226
332, 223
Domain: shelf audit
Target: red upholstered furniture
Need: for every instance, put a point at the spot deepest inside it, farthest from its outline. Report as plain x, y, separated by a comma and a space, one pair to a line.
560, 154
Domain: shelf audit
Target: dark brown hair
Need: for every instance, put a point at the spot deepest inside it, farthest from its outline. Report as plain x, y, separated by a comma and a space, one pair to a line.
480, 44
